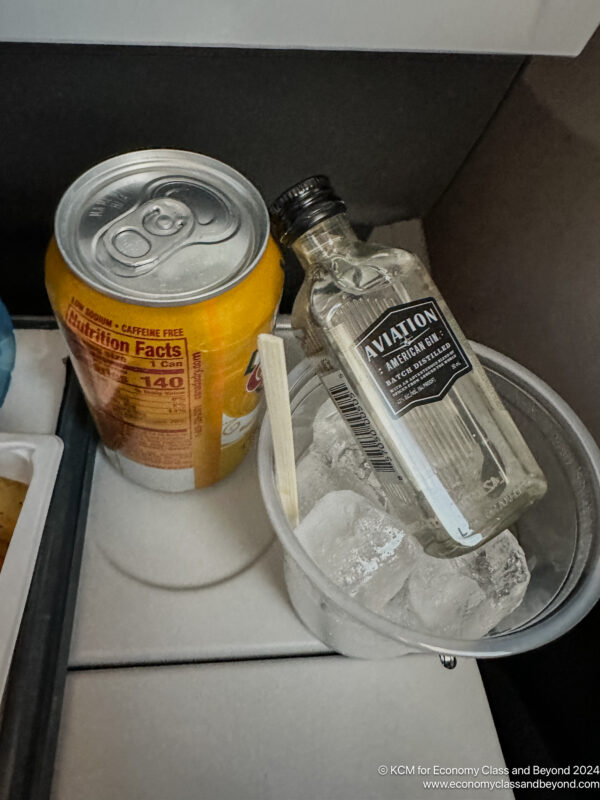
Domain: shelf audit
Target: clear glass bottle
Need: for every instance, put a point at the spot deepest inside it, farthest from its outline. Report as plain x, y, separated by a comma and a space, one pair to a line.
452, 463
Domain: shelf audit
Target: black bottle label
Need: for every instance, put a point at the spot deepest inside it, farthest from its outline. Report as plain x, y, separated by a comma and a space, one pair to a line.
413, 354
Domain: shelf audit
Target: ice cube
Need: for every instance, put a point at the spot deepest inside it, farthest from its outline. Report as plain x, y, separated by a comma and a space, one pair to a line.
463, 597
333, 441
352, 471
359, 547
500, 569
334, 462
330, 432
439, 600
315, 479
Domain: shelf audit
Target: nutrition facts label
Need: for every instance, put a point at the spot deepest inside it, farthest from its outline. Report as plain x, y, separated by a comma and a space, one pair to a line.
140, 381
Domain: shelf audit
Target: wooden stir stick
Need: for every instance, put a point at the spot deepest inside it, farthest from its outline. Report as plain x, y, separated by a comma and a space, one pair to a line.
272, 364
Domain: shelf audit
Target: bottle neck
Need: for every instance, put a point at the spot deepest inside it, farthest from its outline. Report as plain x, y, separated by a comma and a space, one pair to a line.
329, 238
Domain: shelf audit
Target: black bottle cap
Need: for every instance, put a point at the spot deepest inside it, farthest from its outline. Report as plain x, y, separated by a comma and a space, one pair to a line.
301, 206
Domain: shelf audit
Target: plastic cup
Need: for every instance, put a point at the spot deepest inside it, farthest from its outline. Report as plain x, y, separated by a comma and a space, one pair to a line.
559, 534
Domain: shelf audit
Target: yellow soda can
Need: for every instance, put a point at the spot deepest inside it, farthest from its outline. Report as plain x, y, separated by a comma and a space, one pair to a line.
162, 274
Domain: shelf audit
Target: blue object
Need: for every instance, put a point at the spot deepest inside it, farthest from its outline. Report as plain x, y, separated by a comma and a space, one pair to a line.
7, 350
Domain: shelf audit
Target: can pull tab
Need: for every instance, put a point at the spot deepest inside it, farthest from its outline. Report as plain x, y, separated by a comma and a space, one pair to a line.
148, 232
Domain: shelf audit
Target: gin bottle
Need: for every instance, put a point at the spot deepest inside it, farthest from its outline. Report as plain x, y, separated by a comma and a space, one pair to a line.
451, 461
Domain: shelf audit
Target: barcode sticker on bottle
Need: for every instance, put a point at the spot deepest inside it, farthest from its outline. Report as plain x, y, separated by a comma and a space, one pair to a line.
350, 408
